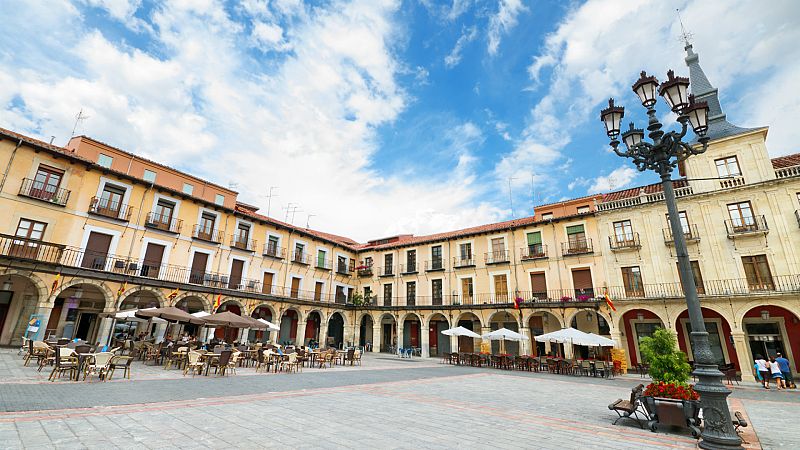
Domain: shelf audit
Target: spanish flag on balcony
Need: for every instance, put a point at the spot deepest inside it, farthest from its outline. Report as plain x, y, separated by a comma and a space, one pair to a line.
609, 302
217, 302
56, 281
122, 288
173, 294
517, 302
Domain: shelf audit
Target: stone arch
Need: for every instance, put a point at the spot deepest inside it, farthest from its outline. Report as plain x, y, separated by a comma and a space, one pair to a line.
504, 313
204, 306
437, 316
545, 313
281, 312
42, 290
385, 315
107, 294
742, 310
577, 311
335, 331
410, 313
469, 315
725, 346
777, 325
340, 313
263, 305
160, 298
203, 299
660, 313
706, 307
234, 301
629, 335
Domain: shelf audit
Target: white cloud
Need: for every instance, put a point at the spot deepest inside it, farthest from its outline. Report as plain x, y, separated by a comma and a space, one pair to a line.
269, 37
307, 123
119, 9
502, 22
454, 57
618, 178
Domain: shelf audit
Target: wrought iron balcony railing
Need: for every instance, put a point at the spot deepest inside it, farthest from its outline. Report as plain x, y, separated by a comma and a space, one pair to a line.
746, 226
496, 257
408, 269
273, 251
241, 242
163, 223
301, 257
322, 264
343, 269
434, 265
364, 271
463, 262
536, 251
207, 234
113, 210
38, 190
628, 241
386, 271
690, 234
576, 247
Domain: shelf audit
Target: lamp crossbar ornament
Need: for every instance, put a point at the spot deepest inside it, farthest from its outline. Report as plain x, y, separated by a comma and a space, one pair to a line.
662, 153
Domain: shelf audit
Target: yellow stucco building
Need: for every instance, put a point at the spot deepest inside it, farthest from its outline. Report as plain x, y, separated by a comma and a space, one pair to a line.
88, 229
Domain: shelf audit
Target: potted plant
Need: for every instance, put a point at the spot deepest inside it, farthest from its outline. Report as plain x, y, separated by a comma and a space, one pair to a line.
669, 399
357, 299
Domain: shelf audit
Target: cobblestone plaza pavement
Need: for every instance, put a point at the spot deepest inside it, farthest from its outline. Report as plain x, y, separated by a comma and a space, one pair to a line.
387, 403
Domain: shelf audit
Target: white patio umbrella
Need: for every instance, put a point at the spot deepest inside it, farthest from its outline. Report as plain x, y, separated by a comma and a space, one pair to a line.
503, 335
567, 335
129, 315
270, 326
461, 331
602, 341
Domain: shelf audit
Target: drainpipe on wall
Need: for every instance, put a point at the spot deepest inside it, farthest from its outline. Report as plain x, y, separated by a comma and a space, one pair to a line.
138, 219
8, 167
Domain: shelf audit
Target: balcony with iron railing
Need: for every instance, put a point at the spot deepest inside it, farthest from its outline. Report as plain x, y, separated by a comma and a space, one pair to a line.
163, 223
110, 209
38, 190
409, 269
364, 270
532, 252
690, 234
343, 269
242, 242
746, 226
323, 264
206, 234
301, 257
434, 265
463, 262
386, 271
626, 241
496, 257
576, 247
273, 251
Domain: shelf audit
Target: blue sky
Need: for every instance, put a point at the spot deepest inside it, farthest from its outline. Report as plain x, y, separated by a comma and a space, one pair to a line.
385, 116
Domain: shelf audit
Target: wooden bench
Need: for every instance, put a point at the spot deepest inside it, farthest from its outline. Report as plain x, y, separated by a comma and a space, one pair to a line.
632, 407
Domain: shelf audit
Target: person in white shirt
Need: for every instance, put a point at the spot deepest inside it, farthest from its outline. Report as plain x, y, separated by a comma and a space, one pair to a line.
776, 373
764, 370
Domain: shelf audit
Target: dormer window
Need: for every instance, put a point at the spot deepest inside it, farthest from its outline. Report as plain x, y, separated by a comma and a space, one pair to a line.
728, 167
547, 216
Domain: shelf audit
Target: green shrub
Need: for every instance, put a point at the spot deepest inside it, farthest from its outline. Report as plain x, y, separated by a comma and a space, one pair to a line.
667, 363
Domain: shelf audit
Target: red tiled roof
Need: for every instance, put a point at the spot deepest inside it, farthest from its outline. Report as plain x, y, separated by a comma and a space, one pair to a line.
786, 161
636, 191
346, 242
36, 142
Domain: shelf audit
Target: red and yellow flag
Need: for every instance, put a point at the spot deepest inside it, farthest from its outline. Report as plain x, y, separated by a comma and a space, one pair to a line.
609, 302
122, 288
217, 302
173, 294
54, 286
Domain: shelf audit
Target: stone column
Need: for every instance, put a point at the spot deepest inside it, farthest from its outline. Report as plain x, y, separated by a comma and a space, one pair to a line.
400, 335
376, 337
425, 340
43, 311
104, 331
485, 330
356, 334
323, 334
525, 345
300, 337
742, 353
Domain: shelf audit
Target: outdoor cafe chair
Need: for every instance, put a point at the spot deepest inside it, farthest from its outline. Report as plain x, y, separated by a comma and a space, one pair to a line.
264, 360
177, 358
120, 362
36, 349
65, 361
98, 364
357, 357
291, 364
586, 367
193, 363
220, 364
601, 369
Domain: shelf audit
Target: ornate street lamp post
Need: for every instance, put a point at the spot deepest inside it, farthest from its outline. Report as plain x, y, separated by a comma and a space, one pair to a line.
662, 156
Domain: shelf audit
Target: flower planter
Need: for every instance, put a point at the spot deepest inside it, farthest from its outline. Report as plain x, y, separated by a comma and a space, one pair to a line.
673, 412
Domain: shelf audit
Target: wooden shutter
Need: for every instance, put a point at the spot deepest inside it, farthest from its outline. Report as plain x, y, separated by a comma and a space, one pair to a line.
96, 251
318, 291
534, 238
199, 263
266, 286
152, 260
582, 278
295, 287
500, 287
236, 274
539, 285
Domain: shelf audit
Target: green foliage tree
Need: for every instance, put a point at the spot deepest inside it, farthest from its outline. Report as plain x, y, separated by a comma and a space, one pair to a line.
667, 363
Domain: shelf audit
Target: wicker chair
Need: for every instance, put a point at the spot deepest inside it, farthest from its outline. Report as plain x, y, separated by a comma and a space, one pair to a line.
291, 364
193, 363
357, 357
220, 364
120, 362
65, 361
98, 364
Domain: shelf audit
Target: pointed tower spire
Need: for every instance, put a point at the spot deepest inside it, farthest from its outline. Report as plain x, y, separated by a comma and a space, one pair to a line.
703, 90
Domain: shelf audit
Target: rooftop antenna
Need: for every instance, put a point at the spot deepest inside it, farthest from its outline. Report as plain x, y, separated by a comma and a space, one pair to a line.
287, 208
686, 36
232, 185
533, 197
79, 118
52, 138
295, 210
269, 198
510, 196
308, 217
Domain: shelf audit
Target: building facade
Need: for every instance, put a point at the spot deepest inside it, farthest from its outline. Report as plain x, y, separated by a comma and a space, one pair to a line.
89, 229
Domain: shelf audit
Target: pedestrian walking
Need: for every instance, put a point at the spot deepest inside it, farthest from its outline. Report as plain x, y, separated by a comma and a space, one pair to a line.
762, 366
776, 373
786, 370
